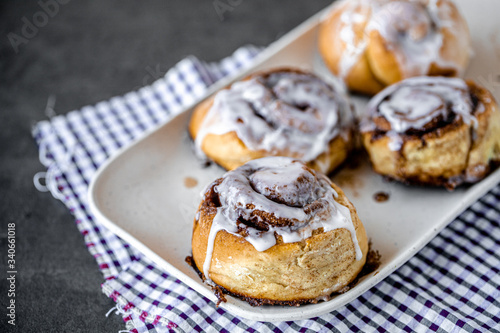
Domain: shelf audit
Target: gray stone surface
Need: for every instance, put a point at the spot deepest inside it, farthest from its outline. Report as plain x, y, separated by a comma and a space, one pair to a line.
85, 52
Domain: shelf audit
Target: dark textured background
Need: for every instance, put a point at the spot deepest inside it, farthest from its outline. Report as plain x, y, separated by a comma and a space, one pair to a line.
87, 52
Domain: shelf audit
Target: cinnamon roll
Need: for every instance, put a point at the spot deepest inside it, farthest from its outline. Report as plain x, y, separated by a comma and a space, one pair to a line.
375, 43
282, 112
274, 231
433, 131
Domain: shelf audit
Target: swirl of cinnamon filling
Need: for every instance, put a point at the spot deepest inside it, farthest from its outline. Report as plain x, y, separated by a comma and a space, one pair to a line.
283, 112
420, 105
274, 197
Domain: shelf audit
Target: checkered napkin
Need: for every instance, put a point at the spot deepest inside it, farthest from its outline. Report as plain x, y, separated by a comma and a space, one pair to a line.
453, 284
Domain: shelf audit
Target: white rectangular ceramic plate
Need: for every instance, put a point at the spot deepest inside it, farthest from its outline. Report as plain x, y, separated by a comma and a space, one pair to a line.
140, 193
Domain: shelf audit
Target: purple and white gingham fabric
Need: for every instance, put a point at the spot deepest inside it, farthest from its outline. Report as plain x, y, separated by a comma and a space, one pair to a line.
452, 285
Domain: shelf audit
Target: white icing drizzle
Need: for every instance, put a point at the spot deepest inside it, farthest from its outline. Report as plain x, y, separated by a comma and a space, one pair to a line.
284, 188
415, 102
283, 112
395, 141
412, 29
354, 46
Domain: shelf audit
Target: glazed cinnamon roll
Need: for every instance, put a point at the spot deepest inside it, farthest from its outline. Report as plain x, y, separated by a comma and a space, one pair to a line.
433, 131
376, 43
282, 112
274, 231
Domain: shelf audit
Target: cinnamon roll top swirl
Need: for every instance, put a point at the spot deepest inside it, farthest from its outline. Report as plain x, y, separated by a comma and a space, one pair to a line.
275, 204
422, 104
278, 113
438, 130
375, 43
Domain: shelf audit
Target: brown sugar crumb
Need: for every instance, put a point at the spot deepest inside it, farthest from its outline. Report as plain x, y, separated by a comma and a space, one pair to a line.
220, 294
190, 182
381, 197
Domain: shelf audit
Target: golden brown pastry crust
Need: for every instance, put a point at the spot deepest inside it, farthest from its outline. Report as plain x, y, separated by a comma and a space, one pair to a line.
448, 155
228, 151
286, 273
377, 65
